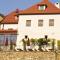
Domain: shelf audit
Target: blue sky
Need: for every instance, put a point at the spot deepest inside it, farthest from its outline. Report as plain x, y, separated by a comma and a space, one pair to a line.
7, 6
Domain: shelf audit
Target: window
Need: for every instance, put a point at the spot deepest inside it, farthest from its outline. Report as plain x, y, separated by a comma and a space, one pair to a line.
40, 22
51, 22
13, 37
42, 7
28, 22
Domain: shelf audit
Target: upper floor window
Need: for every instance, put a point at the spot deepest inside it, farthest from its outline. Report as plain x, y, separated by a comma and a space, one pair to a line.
28, 22
51, 22
40, 22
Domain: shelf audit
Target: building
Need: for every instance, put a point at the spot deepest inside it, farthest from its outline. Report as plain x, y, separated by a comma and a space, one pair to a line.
8, 28
38, 21
1, 17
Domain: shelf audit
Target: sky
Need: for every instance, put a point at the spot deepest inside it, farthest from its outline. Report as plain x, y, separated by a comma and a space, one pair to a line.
7, 6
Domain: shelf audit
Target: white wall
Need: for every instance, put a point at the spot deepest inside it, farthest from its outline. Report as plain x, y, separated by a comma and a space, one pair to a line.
8, 26
37, 32
1, 26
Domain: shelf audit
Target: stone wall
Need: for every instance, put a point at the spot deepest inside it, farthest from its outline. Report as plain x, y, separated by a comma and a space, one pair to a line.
29, 56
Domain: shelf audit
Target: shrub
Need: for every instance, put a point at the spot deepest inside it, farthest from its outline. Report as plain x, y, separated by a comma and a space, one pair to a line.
33, 41
58, 43
40, 42
48, 40
53, 44
11, 45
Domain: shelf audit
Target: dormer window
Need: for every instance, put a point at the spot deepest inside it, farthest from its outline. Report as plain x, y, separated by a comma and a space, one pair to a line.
42, 7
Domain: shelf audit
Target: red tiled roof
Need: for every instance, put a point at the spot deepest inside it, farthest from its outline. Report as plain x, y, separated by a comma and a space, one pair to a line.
8, 31
10, 18
51, 8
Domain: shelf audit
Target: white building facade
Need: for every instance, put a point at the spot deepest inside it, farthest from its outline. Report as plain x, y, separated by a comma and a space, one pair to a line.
36, 31
38, 21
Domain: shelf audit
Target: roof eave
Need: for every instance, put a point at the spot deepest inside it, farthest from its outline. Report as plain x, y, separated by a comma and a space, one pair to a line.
8, 23
38, 14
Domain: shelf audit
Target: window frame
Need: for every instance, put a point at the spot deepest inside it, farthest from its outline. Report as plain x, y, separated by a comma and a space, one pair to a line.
51, 22
40, 24
42, 7
28, 23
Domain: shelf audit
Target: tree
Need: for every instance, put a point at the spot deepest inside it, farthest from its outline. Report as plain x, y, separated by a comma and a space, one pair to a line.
24, 44
11, 45
6, 43
53, 44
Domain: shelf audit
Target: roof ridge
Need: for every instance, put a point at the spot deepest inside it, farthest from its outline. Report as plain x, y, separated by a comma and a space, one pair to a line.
45, 0
51, 8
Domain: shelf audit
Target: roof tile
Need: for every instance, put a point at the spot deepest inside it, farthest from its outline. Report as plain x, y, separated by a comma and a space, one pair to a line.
51, 8
10, 18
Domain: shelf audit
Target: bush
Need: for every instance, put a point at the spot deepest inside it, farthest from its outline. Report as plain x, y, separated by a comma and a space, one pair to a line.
48, 40
58, 43
40, 42
53, 44
11, 45
33, 41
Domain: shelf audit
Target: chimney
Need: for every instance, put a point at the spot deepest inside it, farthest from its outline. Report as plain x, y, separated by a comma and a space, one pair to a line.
17, 10
57, 5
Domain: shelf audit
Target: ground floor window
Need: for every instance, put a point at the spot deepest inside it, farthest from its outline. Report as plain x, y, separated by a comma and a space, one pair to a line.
9, 37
